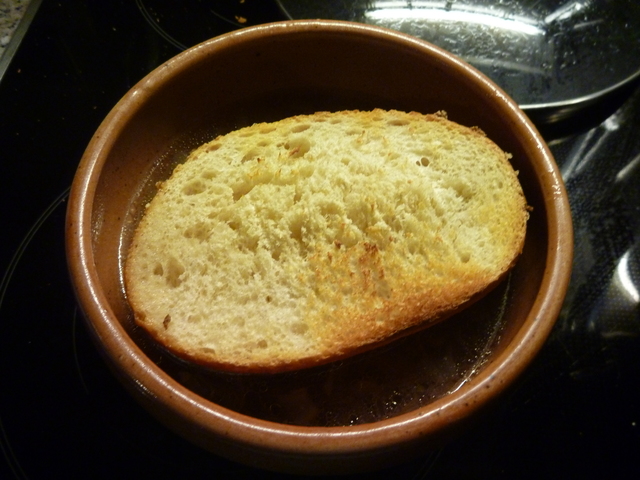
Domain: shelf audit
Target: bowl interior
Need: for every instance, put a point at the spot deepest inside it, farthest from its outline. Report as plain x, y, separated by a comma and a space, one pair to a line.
274, 71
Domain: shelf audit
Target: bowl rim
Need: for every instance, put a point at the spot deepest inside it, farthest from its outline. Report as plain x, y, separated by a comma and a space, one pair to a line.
129, 360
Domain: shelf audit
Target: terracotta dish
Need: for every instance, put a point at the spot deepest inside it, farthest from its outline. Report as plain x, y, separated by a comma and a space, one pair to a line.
362, 413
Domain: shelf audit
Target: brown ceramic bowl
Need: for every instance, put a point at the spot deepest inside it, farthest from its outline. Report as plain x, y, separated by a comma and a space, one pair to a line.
371, 410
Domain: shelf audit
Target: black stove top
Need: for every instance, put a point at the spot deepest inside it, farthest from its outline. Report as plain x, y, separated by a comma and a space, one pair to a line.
575, 413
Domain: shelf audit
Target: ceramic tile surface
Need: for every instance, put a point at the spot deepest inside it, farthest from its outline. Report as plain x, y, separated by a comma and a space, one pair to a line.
11, 12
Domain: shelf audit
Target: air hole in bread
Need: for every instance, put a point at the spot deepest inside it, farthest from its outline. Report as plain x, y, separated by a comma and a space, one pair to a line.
398, 122
424, 161
212, 147
198, 231
208, 174
240, 190
251, 154
307, 169
466, 192
298, 146
263, 344
354, 131
250, 244
348, 238
300, 128
300, 328
296, 230
461, 189
358, 217
437, 208
264, 143
382, 289
267, 129
330, 208
175, 269
194, 187
208, 350
238, 321
158, 270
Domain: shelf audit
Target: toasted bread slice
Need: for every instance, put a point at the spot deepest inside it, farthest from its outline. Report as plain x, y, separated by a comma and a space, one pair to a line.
290, 244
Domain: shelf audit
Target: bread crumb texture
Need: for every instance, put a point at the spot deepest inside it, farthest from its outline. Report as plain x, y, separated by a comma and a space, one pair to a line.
289, 244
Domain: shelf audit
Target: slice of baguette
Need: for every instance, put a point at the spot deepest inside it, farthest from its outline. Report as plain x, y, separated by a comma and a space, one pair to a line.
289, 244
